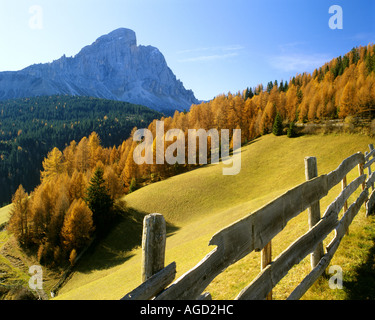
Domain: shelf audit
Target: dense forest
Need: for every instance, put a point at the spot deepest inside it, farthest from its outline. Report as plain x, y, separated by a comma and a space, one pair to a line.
58, 217
31, 127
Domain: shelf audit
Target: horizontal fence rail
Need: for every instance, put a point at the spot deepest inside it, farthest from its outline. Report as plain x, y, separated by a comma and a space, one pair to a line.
255, 233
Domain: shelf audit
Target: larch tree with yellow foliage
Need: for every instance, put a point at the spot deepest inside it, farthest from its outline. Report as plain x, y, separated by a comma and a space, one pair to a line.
130, 170
78, 226
53, 165
77, 186
19, 220
347, 101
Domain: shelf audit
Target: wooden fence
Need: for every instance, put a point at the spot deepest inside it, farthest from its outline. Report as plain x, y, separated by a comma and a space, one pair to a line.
255, 233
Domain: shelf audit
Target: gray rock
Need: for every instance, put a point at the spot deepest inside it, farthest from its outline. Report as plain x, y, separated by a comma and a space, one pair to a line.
113, 67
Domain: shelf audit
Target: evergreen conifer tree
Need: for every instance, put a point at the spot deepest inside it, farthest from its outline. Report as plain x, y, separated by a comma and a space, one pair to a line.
291, 130
277, 126
99, 200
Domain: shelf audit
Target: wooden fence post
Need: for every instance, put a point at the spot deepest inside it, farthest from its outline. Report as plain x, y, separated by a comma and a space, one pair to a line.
361, 172
153, 245
344, 184
371, 146
311, 171
266, 259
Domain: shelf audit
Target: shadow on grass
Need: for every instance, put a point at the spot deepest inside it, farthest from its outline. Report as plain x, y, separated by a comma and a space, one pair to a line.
117, 246
362, 284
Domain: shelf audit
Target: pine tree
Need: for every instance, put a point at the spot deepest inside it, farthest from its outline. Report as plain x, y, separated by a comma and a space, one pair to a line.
269, 86
291, 133
246, 94
277, 128
99, 200
370, 62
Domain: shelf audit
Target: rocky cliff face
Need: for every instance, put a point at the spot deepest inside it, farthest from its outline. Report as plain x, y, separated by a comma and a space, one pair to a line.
113, 67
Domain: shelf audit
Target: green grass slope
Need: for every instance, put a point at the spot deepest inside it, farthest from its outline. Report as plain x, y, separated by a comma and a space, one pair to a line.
199, 203
4, 214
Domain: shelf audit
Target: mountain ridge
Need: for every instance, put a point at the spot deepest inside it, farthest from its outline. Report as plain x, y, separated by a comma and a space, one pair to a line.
113, 67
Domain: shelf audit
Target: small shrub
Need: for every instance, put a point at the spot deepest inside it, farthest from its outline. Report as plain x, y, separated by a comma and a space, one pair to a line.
309, 129
349, 124
133, 185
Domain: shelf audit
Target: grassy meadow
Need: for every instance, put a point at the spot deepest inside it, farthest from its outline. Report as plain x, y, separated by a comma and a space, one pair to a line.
199, 203
4, 214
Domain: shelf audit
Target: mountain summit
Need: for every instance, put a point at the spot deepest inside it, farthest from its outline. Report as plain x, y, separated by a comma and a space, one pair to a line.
113, 67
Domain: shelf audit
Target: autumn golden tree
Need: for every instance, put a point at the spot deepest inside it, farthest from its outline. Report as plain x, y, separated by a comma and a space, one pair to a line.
57, 219
131, 168
69, 154
77, 186
268, 117
19, 216
114, 157
291, 103
247, 118
113, 183
78, 226
82, 158
53, 165
95, 149
347, 101
314, 105
43, 203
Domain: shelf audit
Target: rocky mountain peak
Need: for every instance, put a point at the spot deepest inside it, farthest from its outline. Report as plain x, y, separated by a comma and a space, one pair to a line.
123, 35
121, 38
113, 67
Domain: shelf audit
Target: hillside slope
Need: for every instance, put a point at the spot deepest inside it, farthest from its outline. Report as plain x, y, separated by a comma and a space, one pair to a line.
4, 214
199, 203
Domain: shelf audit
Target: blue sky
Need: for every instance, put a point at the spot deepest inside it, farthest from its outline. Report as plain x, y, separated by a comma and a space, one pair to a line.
212, 46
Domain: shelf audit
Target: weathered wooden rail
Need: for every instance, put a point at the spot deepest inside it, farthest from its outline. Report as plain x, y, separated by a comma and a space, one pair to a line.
255, 233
